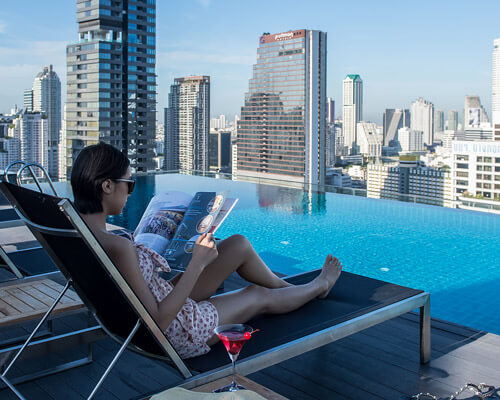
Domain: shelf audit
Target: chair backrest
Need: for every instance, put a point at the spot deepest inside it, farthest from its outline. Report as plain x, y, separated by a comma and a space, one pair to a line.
75, 250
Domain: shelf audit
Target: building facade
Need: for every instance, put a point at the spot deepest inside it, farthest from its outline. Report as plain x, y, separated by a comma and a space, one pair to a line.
352, 111
438, 122
452, 120
422, 119
29, 133
281, 133
45, 97
394, 119
409, 180
410, 140
111, 81
369, 140
476, 169
187, 123
495, 98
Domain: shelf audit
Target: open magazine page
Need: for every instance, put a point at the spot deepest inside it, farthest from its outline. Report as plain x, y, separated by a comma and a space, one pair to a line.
161, 219
198, 219
224, 211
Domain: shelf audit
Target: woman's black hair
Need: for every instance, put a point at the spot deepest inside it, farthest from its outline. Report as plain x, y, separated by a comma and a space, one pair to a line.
91, 168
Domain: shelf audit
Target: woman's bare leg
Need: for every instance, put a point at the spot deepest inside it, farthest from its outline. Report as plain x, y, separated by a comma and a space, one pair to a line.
240, 306
235, 254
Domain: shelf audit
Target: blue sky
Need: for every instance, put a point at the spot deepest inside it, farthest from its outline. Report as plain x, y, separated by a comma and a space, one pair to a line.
440, 50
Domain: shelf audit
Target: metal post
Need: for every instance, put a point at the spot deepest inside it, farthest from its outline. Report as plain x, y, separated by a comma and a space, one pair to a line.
115, 359
425, 332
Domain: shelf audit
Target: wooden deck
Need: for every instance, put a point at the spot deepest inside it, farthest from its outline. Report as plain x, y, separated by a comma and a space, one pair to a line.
379, 363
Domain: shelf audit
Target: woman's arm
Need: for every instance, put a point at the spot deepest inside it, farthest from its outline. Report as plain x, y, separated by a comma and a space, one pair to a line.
125, 257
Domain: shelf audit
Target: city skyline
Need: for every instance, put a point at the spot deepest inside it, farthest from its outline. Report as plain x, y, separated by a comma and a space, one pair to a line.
396, 68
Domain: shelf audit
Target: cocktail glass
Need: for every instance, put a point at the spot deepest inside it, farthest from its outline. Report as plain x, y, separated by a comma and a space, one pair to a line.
233, 336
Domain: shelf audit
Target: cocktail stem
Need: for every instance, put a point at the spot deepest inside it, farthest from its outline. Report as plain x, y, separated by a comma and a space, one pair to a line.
233, 361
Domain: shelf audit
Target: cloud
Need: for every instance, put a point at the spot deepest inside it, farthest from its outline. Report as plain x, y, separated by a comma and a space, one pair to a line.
204, 3
3, 27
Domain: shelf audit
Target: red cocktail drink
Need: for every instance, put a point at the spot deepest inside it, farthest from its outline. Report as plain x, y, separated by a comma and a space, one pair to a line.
233, 336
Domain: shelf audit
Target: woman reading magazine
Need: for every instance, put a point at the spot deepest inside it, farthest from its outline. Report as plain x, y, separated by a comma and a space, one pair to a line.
183, 307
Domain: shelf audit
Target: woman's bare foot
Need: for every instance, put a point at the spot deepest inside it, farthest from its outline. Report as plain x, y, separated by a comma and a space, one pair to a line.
329, 274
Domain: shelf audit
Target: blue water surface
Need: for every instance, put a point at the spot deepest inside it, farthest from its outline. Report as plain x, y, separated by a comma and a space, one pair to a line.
453, 254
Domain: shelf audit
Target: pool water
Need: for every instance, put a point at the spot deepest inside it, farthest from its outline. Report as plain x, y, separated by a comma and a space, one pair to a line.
453, 254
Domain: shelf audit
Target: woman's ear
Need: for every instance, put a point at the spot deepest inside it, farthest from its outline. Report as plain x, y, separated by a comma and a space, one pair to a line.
107, 186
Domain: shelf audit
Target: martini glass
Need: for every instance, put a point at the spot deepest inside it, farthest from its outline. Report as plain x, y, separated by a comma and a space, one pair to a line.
233, 336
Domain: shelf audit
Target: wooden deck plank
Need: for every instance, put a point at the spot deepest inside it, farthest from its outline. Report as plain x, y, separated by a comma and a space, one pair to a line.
26, 298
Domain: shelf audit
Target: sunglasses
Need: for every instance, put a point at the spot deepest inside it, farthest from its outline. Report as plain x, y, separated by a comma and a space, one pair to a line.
130, 184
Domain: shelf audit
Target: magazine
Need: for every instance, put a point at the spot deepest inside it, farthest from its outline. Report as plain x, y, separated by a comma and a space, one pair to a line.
173, 221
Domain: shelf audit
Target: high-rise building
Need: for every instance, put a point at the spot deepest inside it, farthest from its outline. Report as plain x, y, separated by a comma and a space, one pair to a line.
438, 121
352, 111
30, 131
369, 139
330, 145
111, 92
394, 119
28, 100
10, 147
330, 110
410, 140
495, 98
187, 122
422, 119
219, 151
474, 113
45, 97
452, 120
281, 133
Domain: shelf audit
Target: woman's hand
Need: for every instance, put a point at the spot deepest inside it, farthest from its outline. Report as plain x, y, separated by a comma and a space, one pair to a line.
205, 251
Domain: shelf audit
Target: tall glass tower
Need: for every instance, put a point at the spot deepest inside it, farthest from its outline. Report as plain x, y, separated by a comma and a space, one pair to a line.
111, 79
281, 133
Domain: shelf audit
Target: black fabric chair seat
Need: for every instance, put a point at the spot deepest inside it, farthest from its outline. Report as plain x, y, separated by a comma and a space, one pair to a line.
33, 261
353, 295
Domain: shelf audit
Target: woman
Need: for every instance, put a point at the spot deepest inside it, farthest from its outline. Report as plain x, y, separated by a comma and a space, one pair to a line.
183, 308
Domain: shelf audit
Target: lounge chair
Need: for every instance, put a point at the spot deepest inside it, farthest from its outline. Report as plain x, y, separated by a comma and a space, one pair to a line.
356, 302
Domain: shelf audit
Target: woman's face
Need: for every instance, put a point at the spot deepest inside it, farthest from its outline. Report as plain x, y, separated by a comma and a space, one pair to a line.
117, 194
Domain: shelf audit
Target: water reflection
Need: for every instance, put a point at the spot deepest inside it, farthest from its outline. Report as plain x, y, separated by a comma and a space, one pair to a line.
294, 201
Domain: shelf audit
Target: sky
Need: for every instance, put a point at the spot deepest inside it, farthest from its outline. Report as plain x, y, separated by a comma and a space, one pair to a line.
440, 50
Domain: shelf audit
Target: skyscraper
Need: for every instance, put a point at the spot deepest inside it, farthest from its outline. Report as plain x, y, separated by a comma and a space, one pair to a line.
452, 120
111, 79
474, 112
187, 123
45, 97
30, 131
394, 119
438, 121
352, 111
422, 119
495, 100
330, 110
282, 129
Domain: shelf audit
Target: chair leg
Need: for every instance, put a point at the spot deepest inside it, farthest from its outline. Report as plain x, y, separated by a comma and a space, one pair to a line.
115, 359
10, 264
425, 332
27, 342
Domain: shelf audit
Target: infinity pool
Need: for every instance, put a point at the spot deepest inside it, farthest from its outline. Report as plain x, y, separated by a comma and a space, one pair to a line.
453, 254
